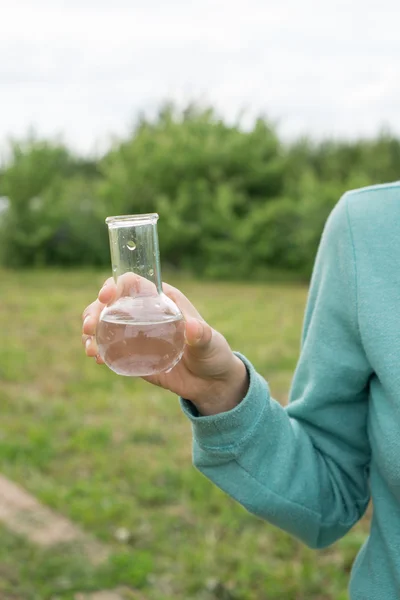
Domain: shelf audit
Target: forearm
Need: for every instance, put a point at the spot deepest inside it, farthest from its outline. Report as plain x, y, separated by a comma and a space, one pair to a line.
267, 462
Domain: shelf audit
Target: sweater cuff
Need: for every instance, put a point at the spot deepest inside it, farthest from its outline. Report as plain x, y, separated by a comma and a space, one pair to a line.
230, 428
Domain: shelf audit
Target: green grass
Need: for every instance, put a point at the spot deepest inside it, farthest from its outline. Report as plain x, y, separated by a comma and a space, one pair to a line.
110, 452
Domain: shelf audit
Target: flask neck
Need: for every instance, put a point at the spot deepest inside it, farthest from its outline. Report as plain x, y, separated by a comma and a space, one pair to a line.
134, 249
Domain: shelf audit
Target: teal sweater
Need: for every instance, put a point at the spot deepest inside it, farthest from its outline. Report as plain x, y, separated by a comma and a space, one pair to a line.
311, 467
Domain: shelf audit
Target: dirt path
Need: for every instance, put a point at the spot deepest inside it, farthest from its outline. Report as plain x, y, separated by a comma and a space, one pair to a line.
24, 515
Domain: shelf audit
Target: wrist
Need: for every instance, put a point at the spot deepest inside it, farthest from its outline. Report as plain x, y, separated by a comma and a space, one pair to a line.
227, 393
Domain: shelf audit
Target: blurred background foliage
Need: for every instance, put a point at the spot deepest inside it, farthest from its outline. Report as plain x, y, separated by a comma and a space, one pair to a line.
234, 203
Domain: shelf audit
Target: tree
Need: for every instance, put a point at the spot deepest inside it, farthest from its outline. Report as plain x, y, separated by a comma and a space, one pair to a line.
33, 180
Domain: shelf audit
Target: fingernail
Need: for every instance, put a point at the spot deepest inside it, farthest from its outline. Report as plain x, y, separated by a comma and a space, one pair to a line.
199, 335
86, 319
87, 343
200, 331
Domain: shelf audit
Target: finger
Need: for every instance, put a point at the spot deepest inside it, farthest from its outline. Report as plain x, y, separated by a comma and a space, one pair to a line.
185, 306
91, 349
91, 317
90, 345
128, 284
107, 292
132, 284
198, 334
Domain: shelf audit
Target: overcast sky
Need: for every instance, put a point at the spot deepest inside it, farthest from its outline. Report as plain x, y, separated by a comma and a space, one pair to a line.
84, 68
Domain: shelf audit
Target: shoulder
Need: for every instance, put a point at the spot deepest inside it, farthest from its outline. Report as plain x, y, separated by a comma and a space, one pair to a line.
365, 213
372, 206
373, 199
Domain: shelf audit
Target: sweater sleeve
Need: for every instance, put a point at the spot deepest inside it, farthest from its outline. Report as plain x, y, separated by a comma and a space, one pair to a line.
304, 467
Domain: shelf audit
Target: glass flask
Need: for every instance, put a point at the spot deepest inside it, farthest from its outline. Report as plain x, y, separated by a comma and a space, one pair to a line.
142, 331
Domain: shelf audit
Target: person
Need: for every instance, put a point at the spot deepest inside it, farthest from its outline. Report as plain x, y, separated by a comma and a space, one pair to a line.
311, 467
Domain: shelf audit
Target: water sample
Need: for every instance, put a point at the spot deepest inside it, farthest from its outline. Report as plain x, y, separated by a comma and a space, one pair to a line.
139, 349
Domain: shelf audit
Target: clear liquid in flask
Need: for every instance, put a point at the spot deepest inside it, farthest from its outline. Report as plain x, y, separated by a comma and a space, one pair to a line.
139, 349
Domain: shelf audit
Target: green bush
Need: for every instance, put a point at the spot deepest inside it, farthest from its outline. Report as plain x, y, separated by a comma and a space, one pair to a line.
233, 203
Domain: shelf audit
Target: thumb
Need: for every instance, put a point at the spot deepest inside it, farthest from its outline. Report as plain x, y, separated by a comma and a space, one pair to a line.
198, 334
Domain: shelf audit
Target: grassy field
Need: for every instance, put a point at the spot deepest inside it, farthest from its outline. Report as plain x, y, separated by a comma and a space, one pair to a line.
112, 453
